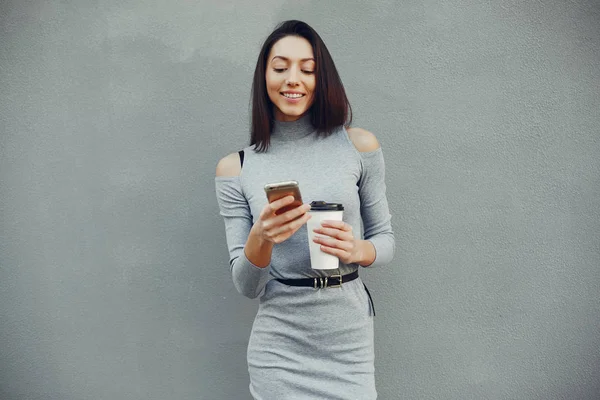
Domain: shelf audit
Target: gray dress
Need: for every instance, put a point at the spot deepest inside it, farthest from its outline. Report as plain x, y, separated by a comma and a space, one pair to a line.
308, 343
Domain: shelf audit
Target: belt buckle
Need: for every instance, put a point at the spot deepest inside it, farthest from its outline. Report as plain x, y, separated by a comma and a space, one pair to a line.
339, 276
321, 283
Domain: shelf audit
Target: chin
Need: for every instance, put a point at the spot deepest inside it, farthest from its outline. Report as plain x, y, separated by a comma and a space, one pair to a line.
294, 113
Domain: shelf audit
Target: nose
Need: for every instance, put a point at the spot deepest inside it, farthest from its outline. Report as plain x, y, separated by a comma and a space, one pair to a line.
293, 77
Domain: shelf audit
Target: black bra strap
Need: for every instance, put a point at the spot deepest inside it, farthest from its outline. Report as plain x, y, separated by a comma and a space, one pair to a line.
241, 153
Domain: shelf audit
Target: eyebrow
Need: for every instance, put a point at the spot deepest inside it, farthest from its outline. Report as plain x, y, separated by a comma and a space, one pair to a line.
287, 59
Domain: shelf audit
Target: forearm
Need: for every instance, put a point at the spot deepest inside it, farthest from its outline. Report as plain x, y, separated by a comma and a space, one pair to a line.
250, 271
375, 211
257, 250
366, 252
384, 246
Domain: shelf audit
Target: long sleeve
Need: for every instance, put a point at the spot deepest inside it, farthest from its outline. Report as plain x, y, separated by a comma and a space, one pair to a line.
374, 207
248, 279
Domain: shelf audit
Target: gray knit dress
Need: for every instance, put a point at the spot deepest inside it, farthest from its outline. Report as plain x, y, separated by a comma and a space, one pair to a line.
308, 343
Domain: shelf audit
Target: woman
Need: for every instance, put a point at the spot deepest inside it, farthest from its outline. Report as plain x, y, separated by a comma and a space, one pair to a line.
307, 342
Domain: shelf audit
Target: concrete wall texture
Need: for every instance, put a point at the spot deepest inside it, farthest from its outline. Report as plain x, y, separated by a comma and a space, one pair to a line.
114, 278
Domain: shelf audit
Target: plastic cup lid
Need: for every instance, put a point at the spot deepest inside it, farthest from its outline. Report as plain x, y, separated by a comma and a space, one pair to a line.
324, 206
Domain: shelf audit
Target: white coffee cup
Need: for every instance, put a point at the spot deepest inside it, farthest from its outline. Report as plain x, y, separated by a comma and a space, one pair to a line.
321, 211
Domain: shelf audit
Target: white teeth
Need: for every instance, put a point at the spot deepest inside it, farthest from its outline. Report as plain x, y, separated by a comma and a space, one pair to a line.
292, 95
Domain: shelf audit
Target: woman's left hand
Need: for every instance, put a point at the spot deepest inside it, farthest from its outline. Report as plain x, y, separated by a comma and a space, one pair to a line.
336, 238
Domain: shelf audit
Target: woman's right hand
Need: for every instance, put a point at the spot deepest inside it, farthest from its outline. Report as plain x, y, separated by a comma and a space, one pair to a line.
278, 228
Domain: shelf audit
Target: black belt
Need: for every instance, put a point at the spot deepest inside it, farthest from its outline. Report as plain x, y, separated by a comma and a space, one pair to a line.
322, 282
331, 281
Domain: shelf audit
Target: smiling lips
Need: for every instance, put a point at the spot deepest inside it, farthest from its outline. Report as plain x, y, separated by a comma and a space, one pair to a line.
293, 97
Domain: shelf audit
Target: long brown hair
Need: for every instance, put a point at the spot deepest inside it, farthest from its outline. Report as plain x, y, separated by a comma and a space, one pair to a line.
330, 108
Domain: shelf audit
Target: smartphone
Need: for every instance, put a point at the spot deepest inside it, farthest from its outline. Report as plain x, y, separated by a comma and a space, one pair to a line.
278, 190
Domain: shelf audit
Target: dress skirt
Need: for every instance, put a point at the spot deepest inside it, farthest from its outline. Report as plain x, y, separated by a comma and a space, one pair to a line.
311, 343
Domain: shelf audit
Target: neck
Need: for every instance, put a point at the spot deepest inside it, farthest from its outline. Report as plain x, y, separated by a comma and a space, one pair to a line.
292, 130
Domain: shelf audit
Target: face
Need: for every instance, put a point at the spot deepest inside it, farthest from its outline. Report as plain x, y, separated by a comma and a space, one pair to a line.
290, 77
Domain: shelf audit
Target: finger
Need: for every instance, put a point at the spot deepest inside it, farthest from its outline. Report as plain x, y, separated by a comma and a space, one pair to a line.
333, 243
335, 233
280, 203
298, 222
266, 212
290, 227
287, 230
341, 254
288, 223
294, 213
270, 208
341, 225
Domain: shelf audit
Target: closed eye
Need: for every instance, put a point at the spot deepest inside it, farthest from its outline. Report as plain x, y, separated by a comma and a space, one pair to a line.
280, 70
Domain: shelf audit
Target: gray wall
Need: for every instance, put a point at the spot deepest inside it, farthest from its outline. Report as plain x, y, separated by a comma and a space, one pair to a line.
114, 280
